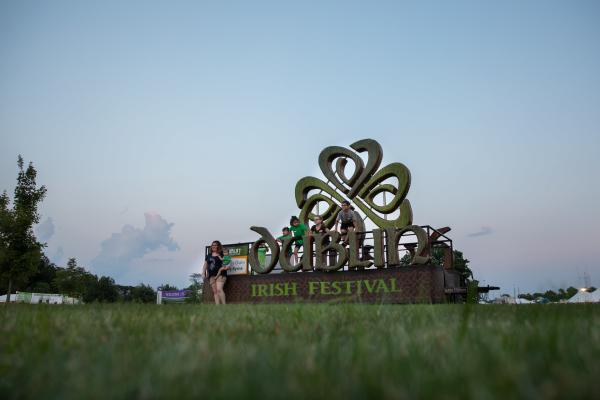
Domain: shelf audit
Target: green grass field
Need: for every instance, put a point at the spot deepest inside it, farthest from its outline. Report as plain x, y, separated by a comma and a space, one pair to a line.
300, 351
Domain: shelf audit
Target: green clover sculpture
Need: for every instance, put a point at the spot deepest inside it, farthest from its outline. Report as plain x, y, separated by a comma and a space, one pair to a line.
360, 189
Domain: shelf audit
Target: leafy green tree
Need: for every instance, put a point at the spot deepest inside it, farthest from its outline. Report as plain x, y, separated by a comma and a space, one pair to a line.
76, 282
72, 280
562, 294
167, 286
526, 296
143, 294
551, 295
20, 251
124, 292
196, 287
90, 287
42, 281
461, 264
107, 290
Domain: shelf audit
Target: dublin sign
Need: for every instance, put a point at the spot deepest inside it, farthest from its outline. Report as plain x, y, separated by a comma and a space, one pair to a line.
366, 182
332, 270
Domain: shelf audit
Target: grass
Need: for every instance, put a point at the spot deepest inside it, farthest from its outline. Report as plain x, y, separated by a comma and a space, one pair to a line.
300, 351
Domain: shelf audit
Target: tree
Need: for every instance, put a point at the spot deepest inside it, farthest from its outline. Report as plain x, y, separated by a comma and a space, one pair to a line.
167, 286
90, 290
20, 251
43, 280
143, 294
461, 265
73, 280
196, 287
551, 295
562, 294
107, 290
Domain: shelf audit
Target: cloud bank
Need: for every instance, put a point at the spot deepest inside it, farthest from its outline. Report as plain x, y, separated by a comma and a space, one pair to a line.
121, 248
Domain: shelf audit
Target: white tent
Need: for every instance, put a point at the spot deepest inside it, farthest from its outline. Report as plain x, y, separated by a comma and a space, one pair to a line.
39, 298
13, 298
585, 297
523, 301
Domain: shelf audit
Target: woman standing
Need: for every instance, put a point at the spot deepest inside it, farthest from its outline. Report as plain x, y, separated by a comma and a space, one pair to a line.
215, 271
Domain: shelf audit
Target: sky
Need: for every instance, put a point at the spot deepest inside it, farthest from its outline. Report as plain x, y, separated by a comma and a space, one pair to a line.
158, 127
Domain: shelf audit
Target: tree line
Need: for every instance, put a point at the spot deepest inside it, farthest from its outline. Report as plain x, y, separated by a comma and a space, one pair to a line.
75, 281
25, 267
552, 296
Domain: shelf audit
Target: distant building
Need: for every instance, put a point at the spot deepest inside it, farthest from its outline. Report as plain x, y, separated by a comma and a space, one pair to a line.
505, 299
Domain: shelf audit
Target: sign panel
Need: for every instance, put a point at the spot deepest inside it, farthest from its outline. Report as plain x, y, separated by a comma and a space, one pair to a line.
239, 259
394, 285
171, 296
238, 266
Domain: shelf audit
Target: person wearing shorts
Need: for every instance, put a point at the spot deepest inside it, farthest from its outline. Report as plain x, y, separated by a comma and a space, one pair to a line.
215, 271
348, 220
320, 228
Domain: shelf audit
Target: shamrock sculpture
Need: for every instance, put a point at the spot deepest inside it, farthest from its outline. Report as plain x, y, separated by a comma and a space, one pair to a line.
360, 188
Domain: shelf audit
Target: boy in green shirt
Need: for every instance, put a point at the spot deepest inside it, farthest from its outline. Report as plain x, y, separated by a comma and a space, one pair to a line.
285, 234
298, 231
226, 258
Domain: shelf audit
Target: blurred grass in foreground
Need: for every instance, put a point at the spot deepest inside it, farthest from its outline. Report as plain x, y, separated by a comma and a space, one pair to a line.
300, 351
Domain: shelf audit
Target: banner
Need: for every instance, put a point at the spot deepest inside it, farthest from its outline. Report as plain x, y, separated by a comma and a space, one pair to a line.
172, 296
239, 259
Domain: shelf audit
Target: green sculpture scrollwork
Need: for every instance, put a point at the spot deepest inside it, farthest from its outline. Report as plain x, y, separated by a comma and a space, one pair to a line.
360, 188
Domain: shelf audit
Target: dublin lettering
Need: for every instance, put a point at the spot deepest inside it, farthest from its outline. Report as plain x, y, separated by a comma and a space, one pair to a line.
329, 255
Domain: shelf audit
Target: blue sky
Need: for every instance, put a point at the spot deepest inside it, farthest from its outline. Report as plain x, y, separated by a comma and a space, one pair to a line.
160, 126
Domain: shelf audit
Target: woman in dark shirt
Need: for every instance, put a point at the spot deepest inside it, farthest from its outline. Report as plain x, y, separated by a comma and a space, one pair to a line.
215, 271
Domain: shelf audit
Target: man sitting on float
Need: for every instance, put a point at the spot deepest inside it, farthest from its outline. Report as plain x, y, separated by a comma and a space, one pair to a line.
349, 220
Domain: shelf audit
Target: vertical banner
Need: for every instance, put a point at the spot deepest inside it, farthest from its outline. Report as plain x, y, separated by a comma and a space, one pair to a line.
239, 259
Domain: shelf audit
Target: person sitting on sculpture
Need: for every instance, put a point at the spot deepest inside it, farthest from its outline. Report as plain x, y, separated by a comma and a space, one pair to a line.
298, 231
320, 228
349, 220
285, 234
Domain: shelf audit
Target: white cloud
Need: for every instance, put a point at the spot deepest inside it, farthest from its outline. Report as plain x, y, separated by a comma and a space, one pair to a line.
121, 248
